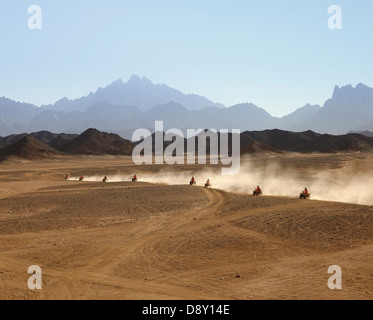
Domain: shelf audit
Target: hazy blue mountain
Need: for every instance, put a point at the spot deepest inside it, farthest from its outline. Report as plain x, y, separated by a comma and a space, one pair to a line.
5, 129
173, 115
15, 116
366, 129
139, 92
246, 116
17, 112
124, 107
366, 133
295, 121
107, 117
349, 108
124, 120
57, 121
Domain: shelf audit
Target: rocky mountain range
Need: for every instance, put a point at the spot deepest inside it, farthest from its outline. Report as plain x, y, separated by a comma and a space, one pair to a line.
122, 108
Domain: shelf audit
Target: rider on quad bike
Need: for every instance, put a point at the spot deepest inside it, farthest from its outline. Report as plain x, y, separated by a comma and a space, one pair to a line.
304, 194
257, 191
81, 178
134, 179
193, 182
105, 179
208, 183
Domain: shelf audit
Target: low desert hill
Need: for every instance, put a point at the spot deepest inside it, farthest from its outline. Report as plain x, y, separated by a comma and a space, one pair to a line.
30, 149
308, 141
43, 136
94, 142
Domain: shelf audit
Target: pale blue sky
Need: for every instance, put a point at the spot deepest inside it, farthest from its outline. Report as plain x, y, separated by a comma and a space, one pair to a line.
279, 55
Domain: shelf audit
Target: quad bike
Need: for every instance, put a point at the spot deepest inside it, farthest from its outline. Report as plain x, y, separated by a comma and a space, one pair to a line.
208, 185
105, 179
193, 182
304, 195
257, 192
134, 179
81, 178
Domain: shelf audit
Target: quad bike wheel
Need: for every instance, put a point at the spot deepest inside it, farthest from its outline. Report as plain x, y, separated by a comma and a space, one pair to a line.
304, 196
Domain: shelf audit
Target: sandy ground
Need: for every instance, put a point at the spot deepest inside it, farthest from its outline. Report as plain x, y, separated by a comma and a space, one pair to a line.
124, 240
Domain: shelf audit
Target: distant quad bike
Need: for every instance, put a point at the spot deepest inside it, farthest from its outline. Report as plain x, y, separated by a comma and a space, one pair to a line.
134, 179
304, 195
105, 179
81, 178
208, 185
193, 182
257, 192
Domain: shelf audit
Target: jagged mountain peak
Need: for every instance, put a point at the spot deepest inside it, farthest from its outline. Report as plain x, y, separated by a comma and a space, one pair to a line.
135, 79
349, 90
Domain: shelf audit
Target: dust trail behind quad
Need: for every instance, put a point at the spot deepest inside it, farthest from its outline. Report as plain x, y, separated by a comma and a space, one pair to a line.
340, 185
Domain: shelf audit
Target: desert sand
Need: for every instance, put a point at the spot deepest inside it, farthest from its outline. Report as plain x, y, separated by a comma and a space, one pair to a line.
160, 238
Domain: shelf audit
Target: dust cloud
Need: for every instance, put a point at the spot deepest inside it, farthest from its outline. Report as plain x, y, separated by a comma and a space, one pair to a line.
339, 185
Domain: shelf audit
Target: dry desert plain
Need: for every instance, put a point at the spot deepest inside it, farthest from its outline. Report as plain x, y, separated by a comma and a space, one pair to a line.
160, 238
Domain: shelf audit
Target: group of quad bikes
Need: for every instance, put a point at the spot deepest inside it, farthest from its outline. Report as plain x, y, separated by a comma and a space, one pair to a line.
193, 182
257, 191
304, 195
134, 179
